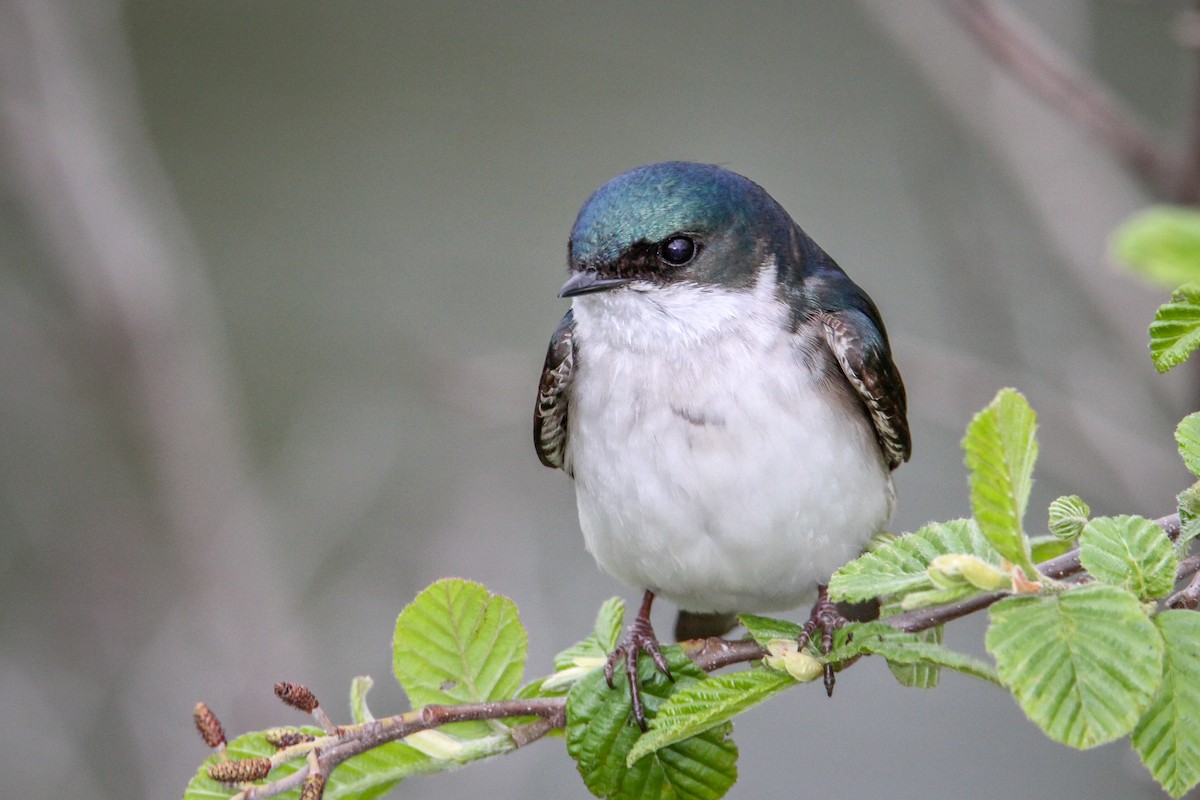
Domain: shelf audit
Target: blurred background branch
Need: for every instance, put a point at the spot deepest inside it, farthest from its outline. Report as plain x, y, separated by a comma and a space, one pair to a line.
120, 294
1050, 75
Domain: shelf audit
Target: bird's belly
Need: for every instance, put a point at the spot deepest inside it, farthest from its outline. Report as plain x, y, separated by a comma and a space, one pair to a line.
724, 489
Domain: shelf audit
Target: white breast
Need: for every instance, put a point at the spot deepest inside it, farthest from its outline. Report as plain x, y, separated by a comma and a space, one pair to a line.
716, 457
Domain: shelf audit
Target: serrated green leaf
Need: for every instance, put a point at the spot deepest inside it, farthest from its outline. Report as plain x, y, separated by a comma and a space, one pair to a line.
1044, 548
459, 643
601, 732
700, 706
1083, 664
901, 647
1068, 515
358, 698
1189, 504
1187, 436
878, 539
935, 655
1188, 531
1001, 448
902, 564
1162, 244
1167, 738
1189, 519
601, 641
374, 773
1175, 331
919, 674
533, 689
764, 629
937, 597
1131, 552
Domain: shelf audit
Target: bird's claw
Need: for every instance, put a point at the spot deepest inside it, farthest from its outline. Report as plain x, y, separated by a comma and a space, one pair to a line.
639, 638
826, 618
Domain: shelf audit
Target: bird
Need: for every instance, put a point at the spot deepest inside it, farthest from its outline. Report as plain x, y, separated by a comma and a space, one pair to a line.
725, 400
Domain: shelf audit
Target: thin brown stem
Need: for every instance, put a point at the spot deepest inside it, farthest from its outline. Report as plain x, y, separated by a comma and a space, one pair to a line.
921, 619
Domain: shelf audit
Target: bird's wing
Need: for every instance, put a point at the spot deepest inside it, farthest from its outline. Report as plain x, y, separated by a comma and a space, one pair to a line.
550, 414
861, 349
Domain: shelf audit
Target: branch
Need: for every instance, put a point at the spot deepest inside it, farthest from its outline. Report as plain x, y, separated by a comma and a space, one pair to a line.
324, 754
1057, 568
920, 619
1051, 75
341, 743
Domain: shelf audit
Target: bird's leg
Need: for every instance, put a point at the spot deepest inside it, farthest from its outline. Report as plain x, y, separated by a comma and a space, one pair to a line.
639, 638
826, 618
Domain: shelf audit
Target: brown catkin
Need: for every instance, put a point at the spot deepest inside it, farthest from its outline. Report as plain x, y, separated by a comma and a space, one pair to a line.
209, 726
286, 737
296, 696
247, 769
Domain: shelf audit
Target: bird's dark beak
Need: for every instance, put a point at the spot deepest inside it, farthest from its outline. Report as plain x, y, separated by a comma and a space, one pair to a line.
588, 281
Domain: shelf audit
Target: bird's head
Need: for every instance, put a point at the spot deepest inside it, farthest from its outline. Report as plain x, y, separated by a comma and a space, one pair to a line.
676, 223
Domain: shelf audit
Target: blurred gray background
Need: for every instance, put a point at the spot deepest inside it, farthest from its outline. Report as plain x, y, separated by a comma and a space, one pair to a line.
276, 282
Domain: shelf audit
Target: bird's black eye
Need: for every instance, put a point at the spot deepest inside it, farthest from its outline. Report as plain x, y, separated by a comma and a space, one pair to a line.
678, 250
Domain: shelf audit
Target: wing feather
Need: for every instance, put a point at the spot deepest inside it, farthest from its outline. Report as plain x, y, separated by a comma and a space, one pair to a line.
862, 352
550, 414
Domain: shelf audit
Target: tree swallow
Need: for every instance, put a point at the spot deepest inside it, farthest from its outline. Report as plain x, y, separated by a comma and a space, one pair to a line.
724, 398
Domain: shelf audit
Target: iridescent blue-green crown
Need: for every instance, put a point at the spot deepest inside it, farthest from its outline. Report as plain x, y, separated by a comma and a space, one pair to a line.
649, 203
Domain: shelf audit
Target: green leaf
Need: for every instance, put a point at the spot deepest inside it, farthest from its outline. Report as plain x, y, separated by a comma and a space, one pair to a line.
1187, 436
601, 641
601, 732
375, 772
878, 539
919, 674
1083, 664
901, 647
1068, 515
1167, 738
764, 629
358, 698
1162, 244
953, 570
937, 597
1131, 552
1001, 449
1044, 548
459, 643
1175, 331
1189, 519
902, 564
702, 705
1189, 504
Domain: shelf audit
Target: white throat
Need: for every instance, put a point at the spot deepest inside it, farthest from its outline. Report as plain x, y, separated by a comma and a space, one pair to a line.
649, 317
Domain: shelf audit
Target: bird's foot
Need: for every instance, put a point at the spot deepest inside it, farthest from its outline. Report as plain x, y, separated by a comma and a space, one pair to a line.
826, 618
638, 638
